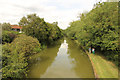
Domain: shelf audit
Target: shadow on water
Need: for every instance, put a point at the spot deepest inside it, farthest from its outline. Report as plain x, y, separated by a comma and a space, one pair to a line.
62, 61
40, 64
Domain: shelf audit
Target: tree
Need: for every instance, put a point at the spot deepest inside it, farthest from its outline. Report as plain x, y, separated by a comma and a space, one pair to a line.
99, 29
15, 56
6, 26
35, 26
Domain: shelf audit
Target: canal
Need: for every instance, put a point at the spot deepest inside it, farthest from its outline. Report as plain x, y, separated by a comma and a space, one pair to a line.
62, 61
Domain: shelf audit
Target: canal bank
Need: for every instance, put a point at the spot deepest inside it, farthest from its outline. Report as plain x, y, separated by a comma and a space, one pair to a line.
62, 61
103, 69
95, 73
101, 66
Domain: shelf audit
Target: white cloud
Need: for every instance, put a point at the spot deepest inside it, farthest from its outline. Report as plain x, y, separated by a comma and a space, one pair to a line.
63, 11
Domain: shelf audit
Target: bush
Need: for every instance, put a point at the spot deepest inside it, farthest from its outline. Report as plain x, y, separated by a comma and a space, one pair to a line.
26, 44
14, 60
6, 26
8, 36
13, 64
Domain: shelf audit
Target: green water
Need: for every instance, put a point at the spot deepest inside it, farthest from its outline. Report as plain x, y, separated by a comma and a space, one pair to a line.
62, 61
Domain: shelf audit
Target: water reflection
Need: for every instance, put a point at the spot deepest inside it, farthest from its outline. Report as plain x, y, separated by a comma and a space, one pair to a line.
41, 63
64, 62
83, 67
63, 49
61, 67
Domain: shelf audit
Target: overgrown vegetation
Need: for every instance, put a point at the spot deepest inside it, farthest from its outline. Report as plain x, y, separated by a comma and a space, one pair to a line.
18, 48
99, 29
6, 26
45, 32
8, 36
15, 56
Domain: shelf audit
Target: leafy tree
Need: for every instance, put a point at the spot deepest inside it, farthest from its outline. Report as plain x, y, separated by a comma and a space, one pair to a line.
6, 26
26, 44
35, 26
8, 36
15, 56
99, 29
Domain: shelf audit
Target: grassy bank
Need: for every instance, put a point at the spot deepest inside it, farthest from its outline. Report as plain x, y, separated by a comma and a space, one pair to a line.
103, 68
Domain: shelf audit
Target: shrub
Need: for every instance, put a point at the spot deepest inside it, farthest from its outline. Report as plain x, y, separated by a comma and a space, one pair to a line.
6, 26
14, 60
13, 64
26, 44
8, 36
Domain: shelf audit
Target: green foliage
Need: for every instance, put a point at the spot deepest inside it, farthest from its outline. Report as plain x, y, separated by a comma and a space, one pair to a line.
98, 28
13, 64
21, 47
6, 26
8, 36
26, 44
35, 26
15, 56
54, 32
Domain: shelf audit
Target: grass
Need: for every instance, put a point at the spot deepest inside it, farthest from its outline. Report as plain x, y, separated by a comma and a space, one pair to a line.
103, 67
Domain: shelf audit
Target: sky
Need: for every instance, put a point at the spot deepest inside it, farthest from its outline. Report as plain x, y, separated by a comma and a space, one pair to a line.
61, 11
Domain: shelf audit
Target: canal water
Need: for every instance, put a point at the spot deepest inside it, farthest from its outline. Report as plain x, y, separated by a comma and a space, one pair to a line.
62, 61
